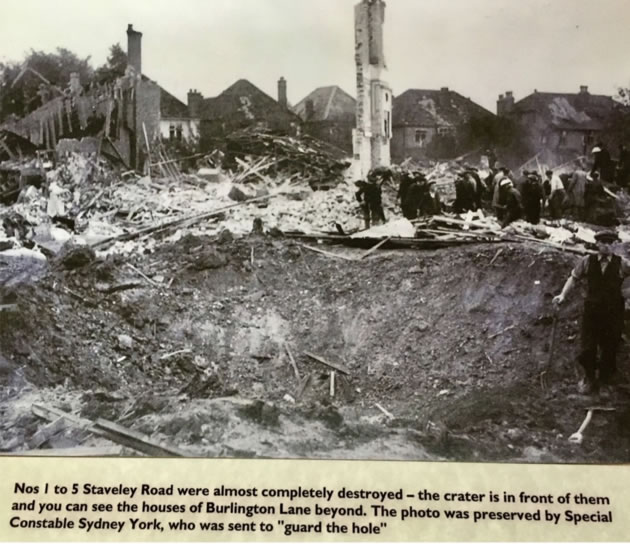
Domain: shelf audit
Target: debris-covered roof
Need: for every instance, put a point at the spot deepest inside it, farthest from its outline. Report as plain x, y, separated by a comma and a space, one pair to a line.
570, 110
434, 107
330, 103
242, 101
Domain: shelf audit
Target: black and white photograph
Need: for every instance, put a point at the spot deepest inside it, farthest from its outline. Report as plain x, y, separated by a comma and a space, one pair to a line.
333, 229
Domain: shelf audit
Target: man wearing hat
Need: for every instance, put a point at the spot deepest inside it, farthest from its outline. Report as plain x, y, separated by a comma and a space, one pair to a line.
603, 316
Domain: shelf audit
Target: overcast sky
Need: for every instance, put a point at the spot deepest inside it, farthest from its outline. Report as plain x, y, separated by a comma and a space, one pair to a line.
479, 48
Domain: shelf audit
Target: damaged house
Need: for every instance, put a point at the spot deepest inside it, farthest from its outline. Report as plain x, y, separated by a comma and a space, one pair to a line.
421, 116
126, 113
243, 106
329, 114
564, 124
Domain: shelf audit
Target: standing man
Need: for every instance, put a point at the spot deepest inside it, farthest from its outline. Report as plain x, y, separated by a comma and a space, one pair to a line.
577, 187
603, 317
370, 197
532, 196
557, 195
602, 163
511, 202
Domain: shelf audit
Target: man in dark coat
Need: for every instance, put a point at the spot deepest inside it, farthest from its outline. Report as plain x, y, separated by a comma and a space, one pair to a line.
511, 203
465, 193
370, 198
532, 196
602, 163
406, 180
603, 317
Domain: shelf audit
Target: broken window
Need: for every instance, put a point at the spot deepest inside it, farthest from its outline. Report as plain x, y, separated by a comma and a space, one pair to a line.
178, 132
171, 132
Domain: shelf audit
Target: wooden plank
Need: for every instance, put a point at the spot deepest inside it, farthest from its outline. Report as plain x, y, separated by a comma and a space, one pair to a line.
327, 253
293, 363
332, 384
146, 141
137, 441
7, 149
377, 246
109, 430
384, 411
303, 386
339, 368
134, 269
46, 432
180, 221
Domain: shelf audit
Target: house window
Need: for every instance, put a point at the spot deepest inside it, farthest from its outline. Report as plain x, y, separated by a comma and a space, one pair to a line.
386, 97
175, 132
563, 138
445, 130
420, 137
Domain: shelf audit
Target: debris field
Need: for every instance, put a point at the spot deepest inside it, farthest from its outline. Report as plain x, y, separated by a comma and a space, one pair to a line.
169, 320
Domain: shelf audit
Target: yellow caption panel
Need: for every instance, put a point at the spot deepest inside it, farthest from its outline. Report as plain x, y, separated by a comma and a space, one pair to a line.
60, 499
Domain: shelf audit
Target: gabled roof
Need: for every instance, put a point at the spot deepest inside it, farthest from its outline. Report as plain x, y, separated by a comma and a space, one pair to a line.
242, 101
434, 108
570, 110
330, 103
171, 106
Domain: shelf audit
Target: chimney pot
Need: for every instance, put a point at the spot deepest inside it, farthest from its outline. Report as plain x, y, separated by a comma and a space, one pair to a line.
134, 49
444, 89
509, 94
583, 89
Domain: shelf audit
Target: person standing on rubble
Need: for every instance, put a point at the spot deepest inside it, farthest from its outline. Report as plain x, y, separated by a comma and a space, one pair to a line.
602, 163
603, 315
575, 192
510, 202
406, 180
465, 193
370, 197
557, 194
498, 191
532, 196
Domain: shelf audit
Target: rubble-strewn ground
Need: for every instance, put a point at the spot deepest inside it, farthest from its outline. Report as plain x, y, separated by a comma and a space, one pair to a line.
449, 342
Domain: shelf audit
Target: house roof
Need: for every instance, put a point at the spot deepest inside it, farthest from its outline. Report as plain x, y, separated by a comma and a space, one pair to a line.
171, 106
434, 107
581, 111
330, 103
242, 101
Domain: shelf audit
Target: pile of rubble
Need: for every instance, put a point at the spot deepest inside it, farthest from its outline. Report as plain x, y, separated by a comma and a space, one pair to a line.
316, 163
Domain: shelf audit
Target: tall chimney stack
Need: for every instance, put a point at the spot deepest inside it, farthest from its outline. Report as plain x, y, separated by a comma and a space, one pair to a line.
134, 49
282, 92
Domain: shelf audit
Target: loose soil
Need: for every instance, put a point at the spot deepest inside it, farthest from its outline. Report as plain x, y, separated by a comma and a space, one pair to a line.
449, 343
